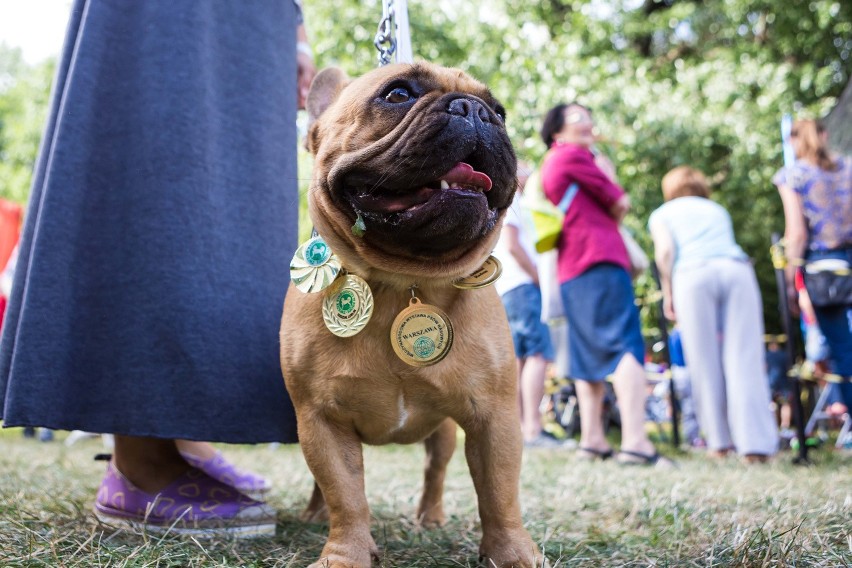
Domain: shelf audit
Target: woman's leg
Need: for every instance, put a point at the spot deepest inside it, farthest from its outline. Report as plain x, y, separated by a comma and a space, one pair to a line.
836, 325
630, 389
519, 367
532, 375
835, 322
751, 421
590, 397
696, 305
148, 463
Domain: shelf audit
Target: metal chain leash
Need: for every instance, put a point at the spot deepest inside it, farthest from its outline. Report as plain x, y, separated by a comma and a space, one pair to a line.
385, 40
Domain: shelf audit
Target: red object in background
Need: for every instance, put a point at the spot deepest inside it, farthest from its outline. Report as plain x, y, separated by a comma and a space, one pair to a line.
799, 280
10, 229
799, 283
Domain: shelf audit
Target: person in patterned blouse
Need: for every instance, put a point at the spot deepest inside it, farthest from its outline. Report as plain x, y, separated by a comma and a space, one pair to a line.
817, 195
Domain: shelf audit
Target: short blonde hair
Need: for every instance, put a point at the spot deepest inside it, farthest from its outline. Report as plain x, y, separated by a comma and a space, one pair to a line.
684, 181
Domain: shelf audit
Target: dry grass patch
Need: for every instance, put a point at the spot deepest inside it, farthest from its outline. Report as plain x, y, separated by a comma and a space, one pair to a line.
583, 514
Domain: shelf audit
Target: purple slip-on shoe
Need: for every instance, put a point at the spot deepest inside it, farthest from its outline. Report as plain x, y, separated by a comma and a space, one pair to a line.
194, 504
222, 470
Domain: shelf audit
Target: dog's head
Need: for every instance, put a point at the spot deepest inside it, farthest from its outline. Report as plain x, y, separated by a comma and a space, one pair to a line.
420, 153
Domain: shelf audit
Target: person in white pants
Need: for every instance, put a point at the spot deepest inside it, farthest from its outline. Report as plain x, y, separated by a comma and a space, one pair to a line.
710, 289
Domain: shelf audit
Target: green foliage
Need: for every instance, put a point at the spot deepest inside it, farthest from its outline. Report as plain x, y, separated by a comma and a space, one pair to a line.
24, 92
671, 82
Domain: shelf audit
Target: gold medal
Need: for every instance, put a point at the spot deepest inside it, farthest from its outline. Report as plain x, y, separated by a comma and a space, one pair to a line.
486, 275
347, 306
421, 334
314, 266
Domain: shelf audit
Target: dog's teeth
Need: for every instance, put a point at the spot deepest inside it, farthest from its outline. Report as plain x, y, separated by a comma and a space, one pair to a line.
463, 186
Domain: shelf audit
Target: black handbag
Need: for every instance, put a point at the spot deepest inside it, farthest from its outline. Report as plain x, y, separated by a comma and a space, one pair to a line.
827, 288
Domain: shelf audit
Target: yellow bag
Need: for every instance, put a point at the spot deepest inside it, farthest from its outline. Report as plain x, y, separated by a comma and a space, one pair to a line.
547, 218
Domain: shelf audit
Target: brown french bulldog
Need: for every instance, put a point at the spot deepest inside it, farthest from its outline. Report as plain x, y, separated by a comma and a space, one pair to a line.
418, 158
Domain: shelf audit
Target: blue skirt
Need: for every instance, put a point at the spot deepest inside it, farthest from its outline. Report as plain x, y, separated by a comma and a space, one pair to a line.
163, 215
603, 321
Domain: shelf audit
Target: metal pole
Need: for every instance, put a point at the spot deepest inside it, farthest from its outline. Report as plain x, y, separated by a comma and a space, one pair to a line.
403, 34
787, 324
664, 333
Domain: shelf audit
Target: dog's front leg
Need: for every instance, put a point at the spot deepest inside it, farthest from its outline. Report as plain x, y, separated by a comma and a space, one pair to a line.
493, 448
333, 454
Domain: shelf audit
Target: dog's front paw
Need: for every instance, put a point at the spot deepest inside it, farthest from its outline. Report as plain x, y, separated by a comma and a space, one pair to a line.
337, 562
510, 549
357, 553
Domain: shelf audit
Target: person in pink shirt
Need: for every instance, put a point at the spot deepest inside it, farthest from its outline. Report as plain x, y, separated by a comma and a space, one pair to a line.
605, 338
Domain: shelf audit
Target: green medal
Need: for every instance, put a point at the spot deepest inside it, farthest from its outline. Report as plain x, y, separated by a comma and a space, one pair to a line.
347, 306
314, 266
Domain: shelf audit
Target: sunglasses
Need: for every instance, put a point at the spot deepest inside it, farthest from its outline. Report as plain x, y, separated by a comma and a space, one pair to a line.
578, 118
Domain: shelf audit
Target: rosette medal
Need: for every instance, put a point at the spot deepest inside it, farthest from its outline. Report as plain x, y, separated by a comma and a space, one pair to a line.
314, 266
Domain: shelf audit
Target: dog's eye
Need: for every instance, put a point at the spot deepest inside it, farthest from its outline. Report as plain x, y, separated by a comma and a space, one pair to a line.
398, 95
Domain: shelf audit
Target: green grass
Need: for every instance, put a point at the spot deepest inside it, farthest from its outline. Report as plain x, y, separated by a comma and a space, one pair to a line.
583, 514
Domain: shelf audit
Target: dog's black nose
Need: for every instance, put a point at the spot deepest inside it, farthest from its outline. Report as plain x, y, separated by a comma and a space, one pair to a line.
469, 108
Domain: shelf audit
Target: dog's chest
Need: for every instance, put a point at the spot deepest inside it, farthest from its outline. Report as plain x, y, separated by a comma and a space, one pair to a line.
388, 400
384, 414
360, 380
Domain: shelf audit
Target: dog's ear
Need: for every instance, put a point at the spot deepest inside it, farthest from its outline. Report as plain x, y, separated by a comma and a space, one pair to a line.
324, 90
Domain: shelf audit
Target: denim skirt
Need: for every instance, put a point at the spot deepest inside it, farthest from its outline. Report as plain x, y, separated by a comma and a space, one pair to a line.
603, 321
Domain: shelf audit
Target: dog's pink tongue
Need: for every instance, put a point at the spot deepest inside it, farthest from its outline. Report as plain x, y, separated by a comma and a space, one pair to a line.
464, 174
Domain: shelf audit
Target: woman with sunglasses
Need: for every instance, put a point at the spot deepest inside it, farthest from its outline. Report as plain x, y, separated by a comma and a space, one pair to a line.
605, 338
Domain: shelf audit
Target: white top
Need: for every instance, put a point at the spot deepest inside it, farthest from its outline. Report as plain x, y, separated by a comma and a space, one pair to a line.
700, 228
513, 275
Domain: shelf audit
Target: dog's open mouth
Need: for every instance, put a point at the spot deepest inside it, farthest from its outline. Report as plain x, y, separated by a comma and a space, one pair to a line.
462, 179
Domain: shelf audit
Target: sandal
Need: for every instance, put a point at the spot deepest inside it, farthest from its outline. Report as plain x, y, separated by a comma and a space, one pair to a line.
626, 457
591, 454
194, 504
